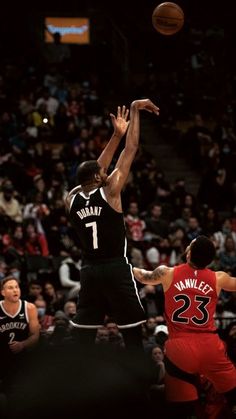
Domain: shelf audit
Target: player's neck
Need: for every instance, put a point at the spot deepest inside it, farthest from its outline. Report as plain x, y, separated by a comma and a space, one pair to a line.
11, 306
192, 265
86, 188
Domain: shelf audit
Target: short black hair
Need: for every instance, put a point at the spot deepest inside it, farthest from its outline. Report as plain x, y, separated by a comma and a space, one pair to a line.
202, 252
86, 171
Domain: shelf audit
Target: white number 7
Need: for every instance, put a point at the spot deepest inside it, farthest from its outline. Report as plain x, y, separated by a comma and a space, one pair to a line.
95, 233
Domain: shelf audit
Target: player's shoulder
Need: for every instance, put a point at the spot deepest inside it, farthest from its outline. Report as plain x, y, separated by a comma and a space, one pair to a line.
165, 269
111, 190
31, 307
164, 272
220, 274
69, 199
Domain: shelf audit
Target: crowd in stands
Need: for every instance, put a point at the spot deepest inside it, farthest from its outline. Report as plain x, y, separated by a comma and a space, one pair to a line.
49, 123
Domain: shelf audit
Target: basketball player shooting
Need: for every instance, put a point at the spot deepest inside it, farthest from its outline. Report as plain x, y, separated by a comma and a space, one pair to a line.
95, 211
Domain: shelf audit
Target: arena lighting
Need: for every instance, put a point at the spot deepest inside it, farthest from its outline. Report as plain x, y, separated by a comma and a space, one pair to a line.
72, 30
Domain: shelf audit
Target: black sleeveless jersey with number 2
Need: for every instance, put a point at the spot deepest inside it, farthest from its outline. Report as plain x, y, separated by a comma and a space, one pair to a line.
100, 229
13, 328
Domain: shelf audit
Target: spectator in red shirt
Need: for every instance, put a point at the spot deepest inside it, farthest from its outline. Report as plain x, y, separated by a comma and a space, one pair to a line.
36, 243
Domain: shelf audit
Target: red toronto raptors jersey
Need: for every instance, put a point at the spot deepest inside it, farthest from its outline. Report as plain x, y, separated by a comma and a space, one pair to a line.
190, 301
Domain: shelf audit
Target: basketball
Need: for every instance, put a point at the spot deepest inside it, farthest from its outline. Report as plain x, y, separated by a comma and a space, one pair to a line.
168, 18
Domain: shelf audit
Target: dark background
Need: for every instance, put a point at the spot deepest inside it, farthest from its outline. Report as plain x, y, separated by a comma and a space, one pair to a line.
125, 49
21, 27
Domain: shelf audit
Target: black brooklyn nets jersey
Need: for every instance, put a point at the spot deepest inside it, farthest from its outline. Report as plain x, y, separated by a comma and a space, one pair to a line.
100, 229
13, 327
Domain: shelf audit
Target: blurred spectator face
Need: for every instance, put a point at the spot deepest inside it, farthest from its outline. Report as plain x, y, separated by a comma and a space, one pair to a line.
229, 244
232, 332
133, 208
41, 307
136, 257
186, 213
177, 245
35, 290
18, 233
227, 226
198, 120
49, 289
91, 145
60, 321
164, 244
32, 236
15, 272
210, 214
157, 354
193, 223
30, 229
156, 211
112, 329
70, 309
102, 335
59, 203
7, 190
75, 254
39, 183
63, 220
180, 183
3, 269
179, 234
151, 323
60, 167
188, 201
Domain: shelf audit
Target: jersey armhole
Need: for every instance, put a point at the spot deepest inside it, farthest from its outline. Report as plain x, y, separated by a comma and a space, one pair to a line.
26, 311
71, 202
103, 194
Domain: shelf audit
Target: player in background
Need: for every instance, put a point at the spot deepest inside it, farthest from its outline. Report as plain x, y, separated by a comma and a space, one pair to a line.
19, 334
194, 347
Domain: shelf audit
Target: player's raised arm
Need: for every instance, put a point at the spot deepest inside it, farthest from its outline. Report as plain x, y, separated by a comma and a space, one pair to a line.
120, 173
120, 125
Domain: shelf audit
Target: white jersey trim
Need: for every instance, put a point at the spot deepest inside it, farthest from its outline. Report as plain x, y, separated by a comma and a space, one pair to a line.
26, 311
128, 326
85, 326
8, 314
135, 286
89, 326
103, 194
86, 197
72, 200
